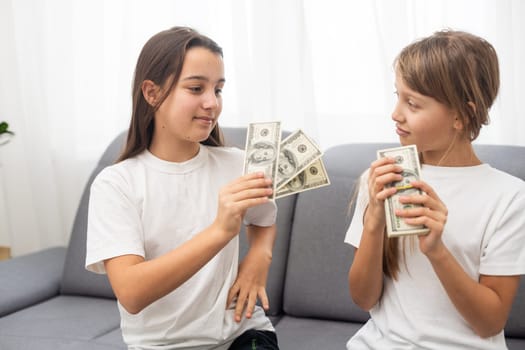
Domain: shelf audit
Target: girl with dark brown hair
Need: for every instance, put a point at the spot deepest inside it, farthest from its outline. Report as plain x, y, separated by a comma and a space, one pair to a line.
164, 220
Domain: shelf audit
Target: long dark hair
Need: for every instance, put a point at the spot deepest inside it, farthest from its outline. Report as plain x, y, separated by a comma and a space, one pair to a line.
161, 61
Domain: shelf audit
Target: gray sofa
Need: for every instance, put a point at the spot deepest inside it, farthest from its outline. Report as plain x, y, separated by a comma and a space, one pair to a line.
48, 301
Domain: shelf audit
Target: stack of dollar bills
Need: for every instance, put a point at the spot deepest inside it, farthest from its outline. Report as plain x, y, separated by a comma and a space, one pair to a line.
294, 164
408, 158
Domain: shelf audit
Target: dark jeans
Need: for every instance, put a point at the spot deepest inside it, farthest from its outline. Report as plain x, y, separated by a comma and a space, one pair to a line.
255, 340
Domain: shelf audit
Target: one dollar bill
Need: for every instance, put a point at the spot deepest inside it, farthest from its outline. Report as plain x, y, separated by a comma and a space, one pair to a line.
407, 157
262, 150
314, 176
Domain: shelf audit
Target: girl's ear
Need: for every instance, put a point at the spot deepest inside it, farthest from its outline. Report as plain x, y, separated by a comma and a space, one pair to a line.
458, 124
472, 106
150, 91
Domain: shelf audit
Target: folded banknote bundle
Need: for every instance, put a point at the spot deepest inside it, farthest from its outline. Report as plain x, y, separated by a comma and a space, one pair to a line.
408, 158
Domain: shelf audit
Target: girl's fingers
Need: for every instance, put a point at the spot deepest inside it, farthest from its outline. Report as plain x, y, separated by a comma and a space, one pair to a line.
385, 193
250, 306
263, 297
251, 194
241, 303
429, 198
243, 183
234, 290
421, 212
435, 225
429, 210
383, 172
381, 162
240, 202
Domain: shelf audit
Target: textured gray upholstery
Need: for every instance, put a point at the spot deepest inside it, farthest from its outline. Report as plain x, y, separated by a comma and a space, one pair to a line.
38, 275
76, 280
48, 301
318, 257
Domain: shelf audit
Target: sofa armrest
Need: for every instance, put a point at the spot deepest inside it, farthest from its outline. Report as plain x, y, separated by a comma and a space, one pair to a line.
29, 279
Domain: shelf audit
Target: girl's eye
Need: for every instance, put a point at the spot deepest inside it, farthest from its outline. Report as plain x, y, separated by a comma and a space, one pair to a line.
195, 89
411, 104
218, 92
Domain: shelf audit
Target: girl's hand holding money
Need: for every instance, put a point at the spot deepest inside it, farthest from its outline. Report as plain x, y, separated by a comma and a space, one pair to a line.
382, 172
433, 214
235, 198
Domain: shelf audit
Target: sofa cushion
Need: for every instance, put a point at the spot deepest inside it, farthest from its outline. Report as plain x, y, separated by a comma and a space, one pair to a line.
76, 280
314, 334
515, 343
112, 338
37, 275
63, 322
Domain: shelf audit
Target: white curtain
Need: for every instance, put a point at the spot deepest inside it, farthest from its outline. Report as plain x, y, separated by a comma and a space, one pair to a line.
66, 68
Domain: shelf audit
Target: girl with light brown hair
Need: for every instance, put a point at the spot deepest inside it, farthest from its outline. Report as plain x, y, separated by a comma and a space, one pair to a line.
452, 288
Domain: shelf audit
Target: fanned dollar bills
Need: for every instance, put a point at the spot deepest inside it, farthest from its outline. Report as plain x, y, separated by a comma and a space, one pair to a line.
296, 153
294, 164
407, 157
314, 176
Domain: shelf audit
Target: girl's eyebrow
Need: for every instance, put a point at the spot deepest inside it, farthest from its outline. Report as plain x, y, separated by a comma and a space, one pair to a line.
202, 78
409, 93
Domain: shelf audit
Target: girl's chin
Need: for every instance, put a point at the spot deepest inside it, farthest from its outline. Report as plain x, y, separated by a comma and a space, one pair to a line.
404, 142
202, 136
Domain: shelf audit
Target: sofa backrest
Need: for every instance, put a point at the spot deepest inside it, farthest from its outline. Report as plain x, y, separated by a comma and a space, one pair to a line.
237, 137
76, 280
316, 278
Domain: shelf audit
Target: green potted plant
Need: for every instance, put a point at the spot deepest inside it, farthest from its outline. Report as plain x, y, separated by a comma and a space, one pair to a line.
5, 133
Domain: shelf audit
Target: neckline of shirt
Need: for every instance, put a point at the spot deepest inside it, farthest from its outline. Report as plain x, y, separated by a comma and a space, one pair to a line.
165, 166
455, 171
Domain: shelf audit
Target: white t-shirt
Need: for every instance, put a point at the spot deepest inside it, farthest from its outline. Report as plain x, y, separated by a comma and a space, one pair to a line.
147, 206
485, 231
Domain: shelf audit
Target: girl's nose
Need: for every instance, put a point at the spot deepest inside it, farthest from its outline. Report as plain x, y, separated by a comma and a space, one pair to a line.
397, 116
211, 100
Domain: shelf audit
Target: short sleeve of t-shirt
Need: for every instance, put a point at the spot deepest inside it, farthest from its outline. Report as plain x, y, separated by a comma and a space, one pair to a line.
113, 221
504, 250
353, 235
261, 215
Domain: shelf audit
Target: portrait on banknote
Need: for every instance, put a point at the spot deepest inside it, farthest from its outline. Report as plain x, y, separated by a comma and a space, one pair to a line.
287, 163
297, 182
262, 152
